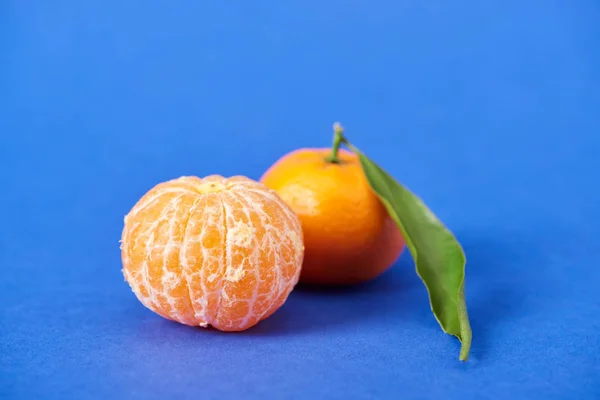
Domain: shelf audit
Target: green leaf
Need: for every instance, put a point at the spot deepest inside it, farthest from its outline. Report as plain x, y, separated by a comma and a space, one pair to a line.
439, 258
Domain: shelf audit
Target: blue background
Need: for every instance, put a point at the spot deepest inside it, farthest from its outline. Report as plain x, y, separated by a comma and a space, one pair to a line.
489, 110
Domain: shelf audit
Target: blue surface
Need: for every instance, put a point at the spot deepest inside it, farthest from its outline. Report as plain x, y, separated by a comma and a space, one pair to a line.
490, 111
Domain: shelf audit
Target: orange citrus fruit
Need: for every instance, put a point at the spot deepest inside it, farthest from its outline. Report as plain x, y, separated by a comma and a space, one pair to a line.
221, 252
349, 237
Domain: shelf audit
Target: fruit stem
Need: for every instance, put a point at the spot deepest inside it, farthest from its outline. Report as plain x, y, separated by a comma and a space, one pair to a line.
338, 139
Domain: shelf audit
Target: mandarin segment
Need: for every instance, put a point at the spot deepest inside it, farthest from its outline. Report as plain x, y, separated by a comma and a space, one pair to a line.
258, 228
213, 251
202, 256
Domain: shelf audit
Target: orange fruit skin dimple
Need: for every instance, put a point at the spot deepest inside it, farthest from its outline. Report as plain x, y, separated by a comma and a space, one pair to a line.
349, 237
221, 252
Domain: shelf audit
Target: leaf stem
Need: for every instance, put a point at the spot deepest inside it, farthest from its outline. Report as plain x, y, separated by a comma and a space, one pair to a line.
338, 139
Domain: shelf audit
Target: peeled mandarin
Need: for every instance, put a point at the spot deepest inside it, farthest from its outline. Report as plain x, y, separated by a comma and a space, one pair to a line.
220, 252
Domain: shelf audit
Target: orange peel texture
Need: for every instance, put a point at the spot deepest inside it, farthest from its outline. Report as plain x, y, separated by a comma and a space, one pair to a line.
348, 234
221, 252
